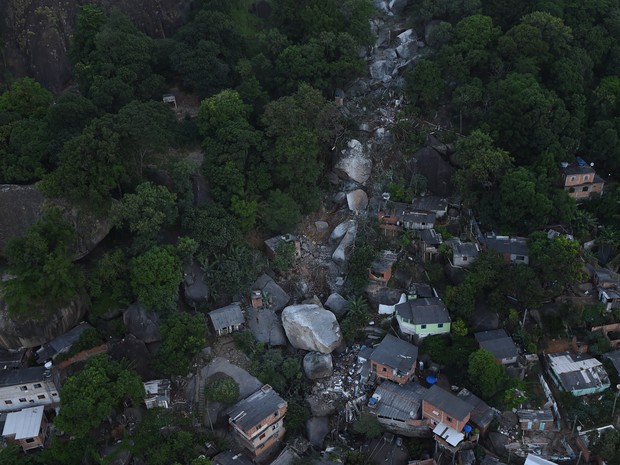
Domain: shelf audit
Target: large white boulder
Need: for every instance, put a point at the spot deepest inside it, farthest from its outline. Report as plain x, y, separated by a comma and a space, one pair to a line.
354, 163
357, 200
310, 327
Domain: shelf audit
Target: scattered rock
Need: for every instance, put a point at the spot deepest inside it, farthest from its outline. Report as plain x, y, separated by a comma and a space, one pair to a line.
144, 326
195, 288
340, 198
316, 429
357, 200
312, 328
336, 304
317, 365
381, 70
321, 226
354, 162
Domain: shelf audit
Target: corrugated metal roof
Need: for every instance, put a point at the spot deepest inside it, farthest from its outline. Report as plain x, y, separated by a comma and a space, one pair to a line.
22, 376
401, 402
532, 459
578, 371
23, 424
428, 310
248, 412
450, 435
498, 343
448, 402
395, 353
482, 415
231, 315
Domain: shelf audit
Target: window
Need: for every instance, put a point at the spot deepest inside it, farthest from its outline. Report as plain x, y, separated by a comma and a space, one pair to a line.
584, 189
586, 177
571, 190
30, 440
274, 427
384, 369
41, 396
423, 326
275, 414
464, 259
572, 178
440, 325
23, 388
449, 420
262, 436
8, 402
520, 258
54, 394
22, 399
37, 386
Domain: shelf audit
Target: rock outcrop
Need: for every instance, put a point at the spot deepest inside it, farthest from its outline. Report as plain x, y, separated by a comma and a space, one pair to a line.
336, 304
274, 296
340, 254
312, 328
316, 429
142, 324
17, 333
317, 365
195, 289
21, 207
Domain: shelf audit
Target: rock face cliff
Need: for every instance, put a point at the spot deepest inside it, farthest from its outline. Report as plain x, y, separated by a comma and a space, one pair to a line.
35, 34
15, 334
21, 206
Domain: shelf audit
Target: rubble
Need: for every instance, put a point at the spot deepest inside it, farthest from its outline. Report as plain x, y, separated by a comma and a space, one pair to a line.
317, 365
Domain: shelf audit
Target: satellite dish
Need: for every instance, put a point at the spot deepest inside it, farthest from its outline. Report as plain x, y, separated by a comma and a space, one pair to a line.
48, 365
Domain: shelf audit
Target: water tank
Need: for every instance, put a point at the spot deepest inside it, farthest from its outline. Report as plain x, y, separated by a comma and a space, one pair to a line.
467, 429
431, 380
48, 365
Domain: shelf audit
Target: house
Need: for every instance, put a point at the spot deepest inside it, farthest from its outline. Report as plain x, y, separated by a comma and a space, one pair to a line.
532, 459
579, 374
608, 287
27, 387
389, 224
157, 393
463, 253
272, 244
482, 415
61, 344
499, 344
421, 317
398, 407
381, 268
443, 408
269, 294
257, 421
27, 427
410, 218
231, 458
12, 359
227, 319
536, 420
512, 249
580, 181
394, 359
431, 203
429, 242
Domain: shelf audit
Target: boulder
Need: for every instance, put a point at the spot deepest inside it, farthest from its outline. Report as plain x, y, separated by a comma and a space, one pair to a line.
317, 365
22, 206
354, 162
312, 328
321, 226
397, 6
357, 200
340, 230
316, 429
407, 50
437, 171
195, 288
336, 304
135, 352
320, 406
273, 294
340, 254
142, 324
24, 333
266, 326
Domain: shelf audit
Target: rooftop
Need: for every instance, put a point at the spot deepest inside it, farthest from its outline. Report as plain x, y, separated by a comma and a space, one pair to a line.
157, 387
231, 458
614, 357
248, 412
498, 343
385, 261
578, 371
11, 359
430, 236
395, 353
22, 376
448, 402
532, 459
507, 244
482, 415
427, 310
406, 212
230, 315
537, 415
61, 343
576, 169
401, 402
24, 424
466, 249
430, 203
450, 435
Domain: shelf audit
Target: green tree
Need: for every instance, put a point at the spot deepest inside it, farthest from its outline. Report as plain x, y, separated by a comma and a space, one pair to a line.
425, 84
26, 97
155, 277
91, 395
13, 455
356, 318
280, 212
459, 328
107, 283
485, 373
183, 336
556, 261
224, 390
368, 425
146, 212
233, 270
44, 277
